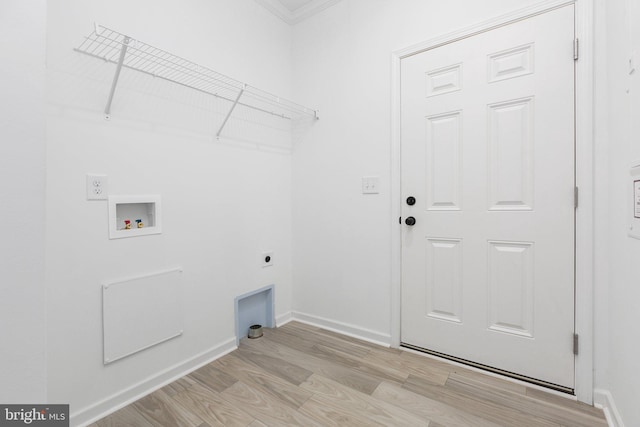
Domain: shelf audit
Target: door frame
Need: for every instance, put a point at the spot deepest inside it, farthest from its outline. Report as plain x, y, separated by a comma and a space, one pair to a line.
584, 169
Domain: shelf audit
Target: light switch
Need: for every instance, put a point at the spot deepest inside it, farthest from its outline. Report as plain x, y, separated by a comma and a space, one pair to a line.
370, 184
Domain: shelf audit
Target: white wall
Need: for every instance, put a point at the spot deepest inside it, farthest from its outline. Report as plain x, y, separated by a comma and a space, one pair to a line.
624, 252
225, 202
601, 200
22, 188
342, 64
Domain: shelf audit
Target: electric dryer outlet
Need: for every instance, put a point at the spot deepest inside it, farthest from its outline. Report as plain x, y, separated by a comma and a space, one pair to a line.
267, 259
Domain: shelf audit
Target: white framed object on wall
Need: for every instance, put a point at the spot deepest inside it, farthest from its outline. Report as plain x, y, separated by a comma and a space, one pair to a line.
132, 216
141, 312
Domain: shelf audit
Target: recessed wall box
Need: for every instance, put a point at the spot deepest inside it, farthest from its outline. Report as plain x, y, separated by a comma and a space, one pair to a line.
131, 216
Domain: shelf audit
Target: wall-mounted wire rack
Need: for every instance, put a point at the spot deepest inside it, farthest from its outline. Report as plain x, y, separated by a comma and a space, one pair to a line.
127, 52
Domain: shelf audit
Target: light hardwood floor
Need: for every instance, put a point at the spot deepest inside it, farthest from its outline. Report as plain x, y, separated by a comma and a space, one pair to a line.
305, 376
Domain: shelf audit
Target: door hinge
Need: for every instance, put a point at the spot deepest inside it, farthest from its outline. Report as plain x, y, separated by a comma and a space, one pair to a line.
576, 197
575, 344
576, 49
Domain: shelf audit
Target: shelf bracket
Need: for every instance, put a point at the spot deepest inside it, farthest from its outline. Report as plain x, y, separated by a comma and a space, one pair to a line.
231, 111
116, 76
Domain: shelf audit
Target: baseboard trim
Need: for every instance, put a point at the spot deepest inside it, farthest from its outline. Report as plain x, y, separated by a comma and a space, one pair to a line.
283, 319
99, 410
343, 328
603, 399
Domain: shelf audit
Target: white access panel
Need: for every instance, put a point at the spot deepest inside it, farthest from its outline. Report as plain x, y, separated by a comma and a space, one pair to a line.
140, 312
634, 196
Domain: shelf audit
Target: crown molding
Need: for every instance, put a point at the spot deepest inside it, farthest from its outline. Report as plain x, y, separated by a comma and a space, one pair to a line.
300, 14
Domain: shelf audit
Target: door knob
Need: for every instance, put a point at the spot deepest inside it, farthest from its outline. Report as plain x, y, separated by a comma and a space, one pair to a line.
411, 200
410, 221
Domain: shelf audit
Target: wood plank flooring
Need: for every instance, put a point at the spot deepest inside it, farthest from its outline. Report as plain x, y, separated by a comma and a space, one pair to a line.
299, 375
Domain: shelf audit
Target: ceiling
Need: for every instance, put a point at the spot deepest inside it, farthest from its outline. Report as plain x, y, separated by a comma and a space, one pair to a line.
294, 5
294, 11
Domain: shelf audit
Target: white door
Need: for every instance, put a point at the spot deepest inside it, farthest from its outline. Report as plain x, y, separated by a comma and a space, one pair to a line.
488, 155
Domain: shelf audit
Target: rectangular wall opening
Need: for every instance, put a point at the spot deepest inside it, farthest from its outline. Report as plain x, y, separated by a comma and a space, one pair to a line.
254, 308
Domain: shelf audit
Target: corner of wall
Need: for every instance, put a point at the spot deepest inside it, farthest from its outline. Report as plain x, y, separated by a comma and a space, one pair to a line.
283, 319
354, 331
603, 399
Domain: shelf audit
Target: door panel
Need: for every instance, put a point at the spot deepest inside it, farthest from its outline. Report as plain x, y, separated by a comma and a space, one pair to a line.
511, 282
444, 279
511, 155
443, 162
487, 128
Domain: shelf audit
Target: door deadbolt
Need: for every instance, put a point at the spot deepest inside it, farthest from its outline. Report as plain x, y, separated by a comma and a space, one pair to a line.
411, 221
411, 200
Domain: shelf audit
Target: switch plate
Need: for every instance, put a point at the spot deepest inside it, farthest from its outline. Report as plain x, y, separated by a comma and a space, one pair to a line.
267, 259
97, 188
370, 184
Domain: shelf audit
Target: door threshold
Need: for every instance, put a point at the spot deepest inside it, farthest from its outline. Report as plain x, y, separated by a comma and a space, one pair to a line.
491, 369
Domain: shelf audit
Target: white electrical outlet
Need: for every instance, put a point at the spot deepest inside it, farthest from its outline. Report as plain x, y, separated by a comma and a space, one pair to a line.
97, 187
267, 259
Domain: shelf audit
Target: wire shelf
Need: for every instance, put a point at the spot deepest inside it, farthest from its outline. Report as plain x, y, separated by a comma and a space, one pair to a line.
126, 52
